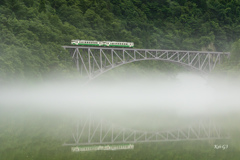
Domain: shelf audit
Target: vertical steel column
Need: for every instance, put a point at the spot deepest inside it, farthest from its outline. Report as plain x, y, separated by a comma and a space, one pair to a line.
78, 136
101, 64
89, 130
105, 62
219, 62
209, 62
89, 63
101, 132
199, 61
134, 139
93, 66
112, 134
77, 61
112, 57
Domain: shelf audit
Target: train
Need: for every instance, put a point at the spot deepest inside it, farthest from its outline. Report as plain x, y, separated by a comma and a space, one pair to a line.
102, 43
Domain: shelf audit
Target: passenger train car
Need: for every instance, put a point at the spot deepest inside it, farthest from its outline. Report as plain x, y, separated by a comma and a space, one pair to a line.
102, 43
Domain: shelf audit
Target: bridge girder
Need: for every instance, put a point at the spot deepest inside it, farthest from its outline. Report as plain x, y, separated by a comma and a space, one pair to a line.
94, 61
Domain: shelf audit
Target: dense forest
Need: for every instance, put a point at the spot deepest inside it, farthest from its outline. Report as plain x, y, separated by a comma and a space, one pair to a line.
32, 32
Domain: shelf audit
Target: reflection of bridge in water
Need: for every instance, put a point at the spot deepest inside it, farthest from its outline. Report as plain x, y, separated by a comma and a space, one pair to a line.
90, 132
94, 61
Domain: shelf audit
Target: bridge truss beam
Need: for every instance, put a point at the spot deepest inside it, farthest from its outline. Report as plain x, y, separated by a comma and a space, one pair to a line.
90, 132
94, 61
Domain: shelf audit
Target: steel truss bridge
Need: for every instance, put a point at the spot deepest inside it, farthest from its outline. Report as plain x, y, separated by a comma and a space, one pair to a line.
94, 61
90, 132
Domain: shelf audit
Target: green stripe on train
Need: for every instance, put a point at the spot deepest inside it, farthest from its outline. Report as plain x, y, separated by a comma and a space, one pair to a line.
83, 44
88, 44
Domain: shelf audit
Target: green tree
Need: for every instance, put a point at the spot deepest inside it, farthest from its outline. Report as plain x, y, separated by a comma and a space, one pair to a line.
42, 6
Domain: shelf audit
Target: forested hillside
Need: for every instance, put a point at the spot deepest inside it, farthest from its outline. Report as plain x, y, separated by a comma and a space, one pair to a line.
32, 31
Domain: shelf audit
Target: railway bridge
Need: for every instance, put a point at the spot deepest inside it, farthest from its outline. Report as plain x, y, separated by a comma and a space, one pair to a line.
94, 61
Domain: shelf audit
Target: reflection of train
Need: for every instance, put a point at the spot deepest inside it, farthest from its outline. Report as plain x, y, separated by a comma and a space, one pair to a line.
102, 43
